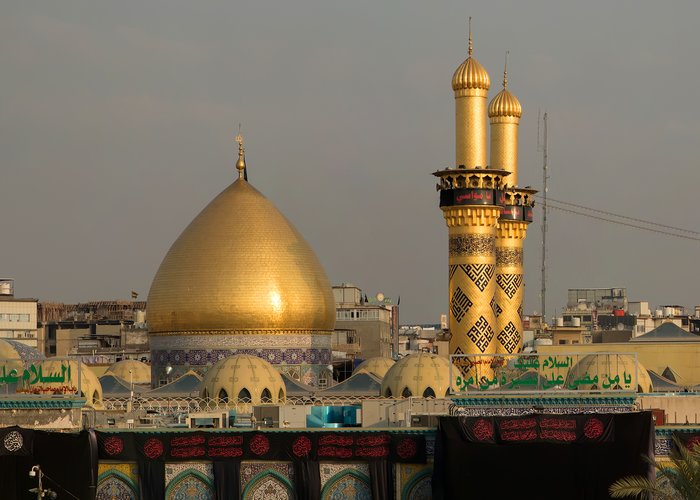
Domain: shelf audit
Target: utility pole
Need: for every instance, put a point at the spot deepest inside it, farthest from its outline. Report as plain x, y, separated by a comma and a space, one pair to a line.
542, 146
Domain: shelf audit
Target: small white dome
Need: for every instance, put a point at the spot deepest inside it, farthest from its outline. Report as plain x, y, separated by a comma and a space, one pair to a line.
245, 379
422, 374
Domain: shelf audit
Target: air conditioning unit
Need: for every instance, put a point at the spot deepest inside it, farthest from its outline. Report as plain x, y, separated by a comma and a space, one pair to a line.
424, 421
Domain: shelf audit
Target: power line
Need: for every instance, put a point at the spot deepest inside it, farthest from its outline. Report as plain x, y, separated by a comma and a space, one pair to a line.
666, 226
667, 233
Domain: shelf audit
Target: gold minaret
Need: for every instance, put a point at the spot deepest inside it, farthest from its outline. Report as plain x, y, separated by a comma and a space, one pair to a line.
470, 83
470, 198
504, 114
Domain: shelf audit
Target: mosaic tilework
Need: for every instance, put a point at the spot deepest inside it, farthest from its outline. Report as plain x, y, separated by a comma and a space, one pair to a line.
509, 256
128, 469
189, 481
413, 481
481, 334
662, 446
173, 470
190, 487
117, 481
329, 470
345, 481
228, 342
269, 487
201, 357
251, 469
460, 304
472, 244
267, 481
114, 488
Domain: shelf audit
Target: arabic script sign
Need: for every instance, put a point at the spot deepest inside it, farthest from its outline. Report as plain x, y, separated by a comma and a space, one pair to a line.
598, 372
54, 376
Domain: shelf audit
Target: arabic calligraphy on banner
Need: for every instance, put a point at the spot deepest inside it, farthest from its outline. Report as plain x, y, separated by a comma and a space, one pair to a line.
48, 377
598, 372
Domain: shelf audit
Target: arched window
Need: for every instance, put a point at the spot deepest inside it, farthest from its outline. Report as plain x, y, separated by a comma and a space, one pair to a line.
244, 396
223, 395
95, 397
266, 396
387, 393
406, 393
429, 393
280, 396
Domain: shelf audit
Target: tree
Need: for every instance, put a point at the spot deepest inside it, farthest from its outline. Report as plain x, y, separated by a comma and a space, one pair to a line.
680, 480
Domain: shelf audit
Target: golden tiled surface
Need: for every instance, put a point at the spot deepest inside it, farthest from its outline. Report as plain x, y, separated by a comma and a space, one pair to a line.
504, 146
509, 286
470, 124
470, 83
240, 265
472, 283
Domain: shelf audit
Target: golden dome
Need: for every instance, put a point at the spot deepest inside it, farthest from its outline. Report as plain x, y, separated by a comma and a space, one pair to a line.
421, 374
140, 372
470, 75
377, 366
611, 370
240, 266
505, 104
244, 378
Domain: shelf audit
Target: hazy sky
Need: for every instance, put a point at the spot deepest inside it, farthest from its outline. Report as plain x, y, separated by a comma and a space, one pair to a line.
117, 122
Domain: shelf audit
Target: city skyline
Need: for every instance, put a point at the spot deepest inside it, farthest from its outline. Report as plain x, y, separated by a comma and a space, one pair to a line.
118, 129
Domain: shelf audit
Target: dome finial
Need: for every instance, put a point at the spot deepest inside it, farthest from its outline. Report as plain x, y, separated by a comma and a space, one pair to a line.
240, 164
470, 36
505, 71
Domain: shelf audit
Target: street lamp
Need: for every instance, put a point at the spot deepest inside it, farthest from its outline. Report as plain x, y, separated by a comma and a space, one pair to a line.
41, 493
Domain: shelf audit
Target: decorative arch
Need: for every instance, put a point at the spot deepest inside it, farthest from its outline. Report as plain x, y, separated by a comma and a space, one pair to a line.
114, 484
406, 393
244, 396
419, 487
347, 484
268, 484
428, 392
266, 396
190, 485
223, 395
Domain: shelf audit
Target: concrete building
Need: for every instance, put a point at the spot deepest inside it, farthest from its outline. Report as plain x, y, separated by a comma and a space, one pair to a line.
100, 332
372, 319
18, 317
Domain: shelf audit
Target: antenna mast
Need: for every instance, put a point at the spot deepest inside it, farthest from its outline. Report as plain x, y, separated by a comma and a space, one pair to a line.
543, 147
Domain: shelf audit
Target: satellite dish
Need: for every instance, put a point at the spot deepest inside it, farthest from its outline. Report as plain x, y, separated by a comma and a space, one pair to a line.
380, 297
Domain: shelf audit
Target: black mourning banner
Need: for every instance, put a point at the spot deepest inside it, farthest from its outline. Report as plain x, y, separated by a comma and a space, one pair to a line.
561, 429
540, 456
237, 446
66, 458
16, 441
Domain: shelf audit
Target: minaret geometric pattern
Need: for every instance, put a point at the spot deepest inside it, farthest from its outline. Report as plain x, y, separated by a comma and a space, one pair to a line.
486, 217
